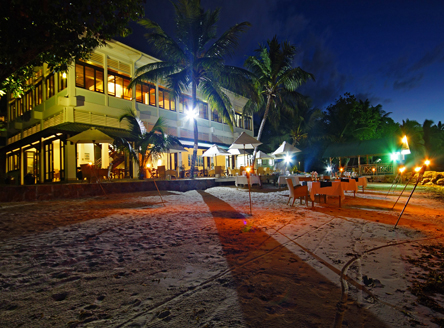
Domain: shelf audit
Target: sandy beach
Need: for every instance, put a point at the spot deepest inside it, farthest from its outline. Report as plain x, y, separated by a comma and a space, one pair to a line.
126, 260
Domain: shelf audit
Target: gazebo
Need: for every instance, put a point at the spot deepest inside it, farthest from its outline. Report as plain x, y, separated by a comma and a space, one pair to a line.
387, 149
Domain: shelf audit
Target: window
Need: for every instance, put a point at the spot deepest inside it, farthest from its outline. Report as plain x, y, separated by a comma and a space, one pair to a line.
50, 90
215, 116
28, 101
89, 77
238, 120
203, 109
185, 103
38, 93
12, 110
166, 100
146, 94
248, 123
63, 81
118, 85
199, 160
20, 107
13, 162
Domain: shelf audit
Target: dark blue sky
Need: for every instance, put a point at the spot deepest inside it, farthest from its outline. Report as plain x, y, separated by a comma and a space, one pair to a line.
391, 52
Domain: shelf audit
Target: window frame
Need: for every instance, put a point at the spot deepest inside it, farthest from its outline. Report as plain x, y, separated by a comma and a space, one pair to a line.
95, 68
123, 79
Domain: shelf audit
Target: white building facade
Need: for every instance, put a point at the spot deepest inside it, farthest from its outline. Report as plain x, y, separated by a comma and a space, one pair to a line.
94, 94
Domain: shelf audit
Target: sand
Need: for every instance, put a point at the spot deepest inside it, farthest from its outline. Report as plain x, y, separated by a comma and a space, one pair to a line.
203, 261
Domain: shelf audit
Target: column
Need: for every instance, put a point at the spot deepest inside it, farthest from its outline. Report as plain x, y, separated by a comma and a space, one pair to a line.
70, 161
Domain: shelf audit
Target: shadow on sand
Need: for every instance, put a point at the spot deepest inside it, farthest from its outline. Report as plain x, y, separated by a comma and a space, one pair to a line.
274, 286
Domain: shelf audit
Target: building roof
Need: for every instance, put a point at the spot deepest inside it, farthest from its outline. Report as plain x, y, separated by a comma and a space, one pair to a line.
375, 147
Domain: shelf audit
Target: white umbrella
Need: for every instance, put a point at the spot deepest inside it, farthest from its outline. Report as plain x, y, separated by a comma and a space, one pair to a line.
91, 135
245, 141
214, 151
286, 148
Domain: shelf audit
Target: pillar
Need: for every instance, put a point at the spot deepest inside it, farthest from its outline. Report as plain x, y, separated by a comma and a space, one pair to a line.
70, 161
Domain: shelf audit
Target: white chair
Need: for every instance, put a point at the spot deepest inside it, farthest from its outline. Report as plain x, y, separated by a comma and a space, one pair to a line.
297, 192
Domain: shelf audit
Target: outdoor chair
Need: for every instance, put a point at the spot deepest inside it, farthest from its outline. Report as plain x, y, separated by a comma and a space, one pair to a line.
297, 192
172, 174
260, 170
218, 171
305, 179
161, 173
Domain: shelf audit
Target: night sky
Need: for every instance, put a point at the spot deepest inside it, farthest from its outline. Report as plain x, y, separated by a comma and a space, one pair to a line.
391, 52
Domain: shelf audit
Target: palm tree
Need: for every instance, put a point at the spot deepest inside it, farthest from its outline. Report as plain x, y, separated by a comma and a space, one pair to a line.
276, 81
194, 62
147, 145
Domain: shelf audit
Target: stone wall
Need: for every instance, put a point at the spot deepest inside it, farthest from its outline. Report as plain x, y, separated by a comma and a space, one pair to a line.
81, 190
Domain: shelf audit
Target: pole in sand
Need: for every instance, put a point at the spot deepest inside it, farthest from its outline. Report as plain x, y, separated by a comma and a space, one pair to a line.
248, 181
395, 180
417, 169
149, 170
419, 178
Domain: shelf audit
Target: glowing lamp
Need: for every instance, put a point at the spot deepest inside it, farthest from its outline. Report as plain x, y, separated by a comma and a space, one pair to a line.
64, 75
404, 139
191, 114
90, 163
148, 165
394, 156
402, 169
427, 162
328, 168
417, 169
248, 169
287, 159
373, 169
341, 169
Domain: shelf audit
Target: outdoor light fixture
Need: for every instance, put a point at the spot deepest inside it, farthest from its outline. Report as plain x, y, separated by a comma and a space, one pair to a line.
394, 156
427, 162
402, 169
148, 165
341, 169
248, 169
328, 168
64, 75
287, 159
90, 163
191, 114
404, 139
417, 169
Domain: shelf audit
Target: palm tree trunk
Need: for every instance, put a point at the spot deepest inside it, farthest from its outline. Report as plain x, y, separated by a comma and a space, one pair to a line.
261, 128
196, 132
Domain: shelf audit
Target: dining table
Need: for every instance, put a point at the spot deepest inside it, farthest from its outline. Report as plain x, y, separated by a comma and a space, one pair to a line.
243, 180
333, 188
350, 185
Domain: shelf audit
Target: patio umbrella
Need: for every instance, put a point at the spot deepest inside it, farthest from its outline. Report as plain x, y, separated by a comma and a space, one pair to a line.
245, 141
91, 135
286, 148
262, 155
214, 151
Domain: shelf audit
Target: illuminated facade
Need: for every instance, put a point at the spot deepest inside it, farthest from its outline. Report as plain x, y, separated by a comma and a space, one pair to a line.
94, 94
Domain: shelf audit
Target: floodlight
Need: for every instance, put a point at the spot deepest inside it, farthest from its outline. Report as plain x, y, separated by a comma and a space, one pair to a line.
328, 168
191, 114
287, 159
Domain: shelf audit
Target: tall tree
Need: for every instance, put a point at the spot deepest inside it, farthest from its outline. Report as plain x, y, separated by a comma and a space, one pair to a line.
194, 60
56, 32
147, 145
276, 81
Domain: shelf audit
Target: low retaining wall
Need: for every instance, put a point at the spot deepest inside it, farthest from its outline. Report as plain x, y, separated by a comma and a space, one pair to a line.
82, 190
